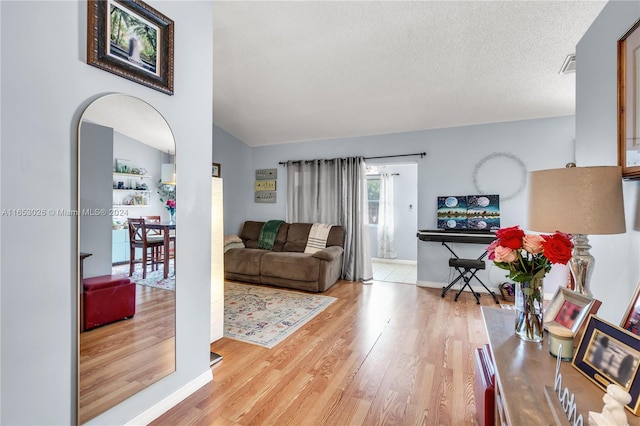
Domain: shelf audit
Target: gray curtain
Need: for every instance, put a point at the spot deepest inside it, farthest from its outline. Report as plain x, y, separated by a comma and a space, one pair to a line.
334, 191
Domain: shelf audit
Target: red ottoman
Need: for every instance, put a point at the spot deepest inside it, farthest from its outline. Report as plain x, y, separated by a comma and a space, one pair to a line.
484, 386
108, 298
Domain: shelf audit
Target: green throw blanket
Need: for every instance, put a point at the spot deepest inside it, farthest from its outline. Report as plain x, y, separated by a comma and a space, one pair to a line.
268, 234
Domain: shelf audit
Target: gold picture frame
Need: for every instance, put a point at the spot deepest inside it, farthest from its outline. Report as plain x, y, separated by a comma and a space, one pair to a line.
609, 354
629, 103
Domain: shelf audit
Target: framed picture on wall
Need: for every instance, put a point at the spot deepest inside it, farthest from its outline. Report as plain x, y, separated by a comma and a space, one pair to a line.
132, 40
629, 103
215, 169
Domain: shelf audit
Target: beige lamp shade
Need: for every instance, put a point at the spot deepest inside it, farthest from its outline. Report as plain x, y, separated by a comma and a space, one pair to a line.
168, 173
577, 200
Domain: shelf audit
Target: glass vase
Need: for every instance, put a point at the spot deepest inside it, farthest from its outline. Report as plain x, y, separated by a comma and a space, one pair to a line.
172, 217
529, 298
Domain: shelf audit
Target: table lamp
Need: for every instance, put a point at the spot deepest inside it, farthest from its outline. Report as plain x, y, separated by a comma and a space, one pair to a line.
578, 201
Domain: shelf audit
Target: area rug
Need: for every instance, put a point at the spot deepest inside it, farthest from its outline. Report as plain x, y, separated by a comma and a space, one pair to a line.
265, 316
154, 278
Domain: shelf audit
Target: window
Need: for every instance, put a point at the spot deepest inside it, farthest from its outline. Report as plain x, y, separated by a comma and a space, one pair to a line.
373, 195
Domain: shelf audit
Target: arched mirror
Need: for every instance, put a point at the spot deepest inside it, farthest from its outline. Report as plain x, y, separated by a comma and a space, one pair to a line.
126, 246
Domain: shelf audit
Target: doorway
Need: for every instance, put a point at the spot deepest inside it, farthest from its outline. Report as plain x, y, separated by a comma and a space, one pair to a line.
394, 248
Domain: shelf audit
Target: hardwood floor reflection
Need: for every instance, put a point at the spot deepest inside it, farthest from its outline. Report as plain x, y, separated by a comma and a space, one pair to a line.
119, 359
383, 353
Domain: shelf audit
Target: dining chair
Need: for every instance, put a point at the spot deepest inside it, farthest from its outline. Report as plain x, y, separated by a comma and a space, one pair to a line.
151, 246
172, 235
155, 231
155, 219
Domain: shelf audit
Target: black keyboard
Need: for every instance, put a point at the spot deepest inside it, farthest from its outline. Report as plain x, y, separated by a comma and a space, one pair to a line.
460, 231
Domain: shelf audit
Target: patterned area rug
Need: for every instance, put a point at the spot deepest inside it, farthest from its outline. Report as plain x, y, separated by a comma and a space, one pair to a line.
265, 316
154, 278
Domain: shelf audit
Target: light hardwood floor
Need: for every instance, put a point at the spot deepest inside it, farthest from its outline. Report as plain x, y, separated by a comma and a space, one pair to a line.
119, 359
382, 354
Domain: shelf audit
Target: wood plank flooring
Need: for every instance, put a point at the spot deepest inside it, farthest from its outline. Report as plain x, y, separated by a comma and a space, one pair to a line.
119, 359
382, 354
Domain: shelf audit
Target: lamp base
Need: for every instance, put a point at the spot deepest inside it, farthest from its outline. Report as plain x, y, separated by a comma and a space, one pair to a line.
581, 264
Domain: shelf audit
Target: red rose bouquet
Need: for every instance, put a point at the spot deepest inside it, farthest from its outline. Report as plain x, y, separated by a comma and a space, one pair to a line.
171, 206
529, 256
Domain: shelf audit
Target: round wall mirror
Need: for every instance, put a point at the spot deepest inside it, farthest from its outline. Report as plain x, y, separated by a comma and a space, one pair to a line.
126, 246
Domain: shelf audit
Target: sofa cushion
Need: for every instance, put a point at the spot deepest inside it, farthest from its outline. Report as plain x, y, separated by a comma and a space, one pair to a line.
299, 234
336, 237
251, 233
292, 266
297, 237
244, 261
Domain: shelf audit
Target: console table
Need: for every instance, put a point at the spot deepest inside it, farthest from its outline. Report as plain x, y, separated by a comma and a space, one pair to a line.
523, 369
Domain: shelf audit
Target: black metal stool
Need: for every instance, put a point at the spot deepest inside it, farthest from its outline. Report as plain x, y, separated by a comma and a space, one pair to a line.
467, 269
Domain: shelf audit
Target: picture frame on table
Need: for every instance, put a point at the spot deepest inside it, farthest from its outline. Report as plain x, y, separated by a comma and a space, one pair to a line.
629, 102
216, 170
609, 354
567, 309
131, 39
631, 319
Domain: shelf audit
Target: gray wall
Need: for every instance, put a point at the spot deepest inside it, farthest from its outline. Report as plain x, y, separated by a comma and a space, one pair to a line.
235, 158
406, 218
44, 91
143, 156
617, 269
405, 193
448, 168
96, 193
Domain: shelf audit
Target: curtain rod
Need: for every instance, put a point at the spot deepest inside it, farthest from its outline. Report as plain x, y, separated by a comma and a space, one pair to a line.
421, 154
379, 174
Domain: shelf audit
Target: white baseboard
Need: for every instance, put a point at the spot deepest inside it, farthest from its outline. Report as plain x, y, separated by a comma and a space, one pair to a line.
456, 287
430, 284
396, 261
172, 400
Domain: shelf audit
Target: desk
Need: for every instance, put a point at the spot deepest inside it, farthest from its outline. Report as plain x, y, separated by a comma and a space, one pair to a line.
523, 369
165, 227
466, 268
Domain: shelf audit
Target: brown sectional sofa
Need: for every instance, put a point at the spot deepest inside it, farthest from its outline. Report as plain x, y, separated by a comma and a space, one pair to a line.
286, 265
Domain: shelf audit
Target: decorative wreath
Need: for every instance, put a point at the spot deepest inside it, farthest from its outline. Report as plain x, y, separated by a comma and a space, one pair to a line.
519, 163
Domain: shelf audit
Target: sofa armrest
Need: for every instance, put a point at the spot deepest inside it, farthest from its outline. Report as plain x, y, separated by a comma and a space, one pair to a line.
329, 253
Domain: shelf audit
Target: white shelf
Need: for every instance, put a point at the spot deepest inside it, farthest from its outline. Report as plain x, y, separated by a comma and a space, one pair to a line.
131, 175
131, 205
133, 190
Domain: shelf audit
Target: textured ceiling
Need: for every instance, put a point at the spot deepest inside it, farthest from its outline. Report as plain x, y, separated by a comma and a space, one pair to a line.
298, 71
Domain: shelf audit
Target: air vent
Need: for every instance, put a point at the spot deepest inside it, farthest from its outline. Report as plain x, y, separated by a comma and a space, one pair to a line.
569, 65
